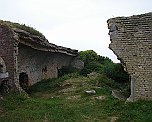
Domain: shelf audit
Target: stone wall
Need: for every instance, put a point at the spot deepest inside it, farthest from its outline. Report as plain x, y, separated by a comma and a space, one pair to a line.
131, 41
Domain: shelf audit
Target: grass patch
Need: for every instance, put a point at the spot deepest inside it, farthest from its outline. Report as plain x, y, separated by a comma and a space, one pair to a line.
22, 27
50, 85
84, 108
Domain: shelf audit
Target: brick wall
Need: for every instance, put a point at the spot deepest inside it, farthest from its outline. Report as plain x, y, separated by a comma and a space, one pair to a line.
8, 52
131, 41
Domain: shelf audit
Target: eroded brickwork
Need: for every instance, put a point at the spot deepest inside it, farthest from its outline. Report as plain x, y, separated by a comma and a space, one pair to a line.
8, 54
131, 41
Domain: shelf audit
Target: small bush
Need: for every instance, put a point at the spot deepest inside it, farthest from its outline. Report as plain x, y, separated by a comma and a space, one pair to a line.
91, 67
88, 56
116, 72
67, 70
103, 80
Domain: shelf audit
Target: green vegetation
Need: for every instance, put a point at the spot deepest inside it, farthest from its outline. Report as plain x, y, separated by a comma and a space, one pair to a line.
22, 27
67, 70
112, 72
66, 101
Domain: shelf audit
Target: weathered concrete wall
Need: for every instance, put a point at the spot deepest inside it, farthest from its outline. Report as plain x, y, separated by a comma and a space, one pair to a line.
40, 65
131, 41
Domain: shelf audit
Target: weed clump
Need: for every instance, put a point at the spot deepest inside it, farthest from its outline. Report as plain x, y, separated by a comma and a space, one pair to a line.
22, 27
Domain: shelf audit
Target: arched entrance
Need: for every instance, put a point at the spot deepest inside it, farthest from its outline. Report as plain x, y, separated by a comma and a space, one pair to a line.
24, 80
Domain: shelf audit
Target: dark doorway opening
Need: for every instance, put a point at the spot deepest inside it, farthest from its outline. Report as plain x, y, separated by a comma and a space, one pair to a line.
23, 80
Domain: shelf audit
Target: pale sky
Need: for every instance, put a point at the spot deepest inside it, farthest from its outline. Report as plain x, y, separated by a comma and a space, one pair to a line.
77, 24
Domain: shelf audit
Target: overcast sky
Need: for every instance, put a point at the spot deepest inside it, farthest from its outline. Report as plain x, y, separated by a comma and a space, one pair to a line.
78, 24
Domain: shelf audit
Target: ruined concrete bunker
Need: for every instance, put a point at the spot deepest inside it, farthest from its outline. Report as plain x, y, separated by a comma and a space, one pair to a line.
26, 58
131, 41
